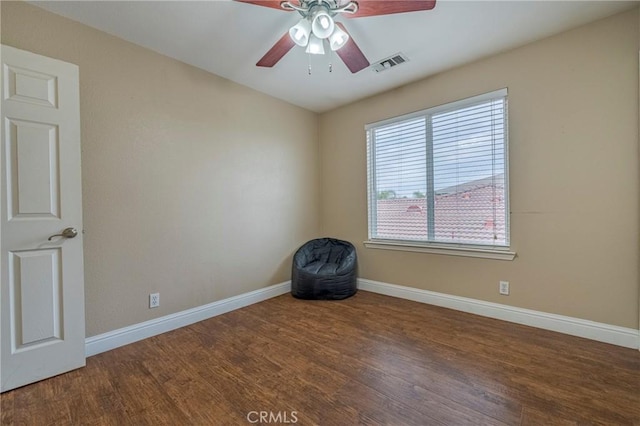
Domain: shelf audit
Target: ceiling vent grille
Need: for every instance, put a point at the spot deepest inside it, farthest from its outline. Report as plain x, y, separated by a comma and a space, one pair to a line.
390, 62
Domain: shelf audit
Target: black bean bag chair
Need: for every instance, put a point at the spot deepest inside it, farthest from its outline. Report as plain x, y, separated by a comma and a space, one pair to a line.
324, 268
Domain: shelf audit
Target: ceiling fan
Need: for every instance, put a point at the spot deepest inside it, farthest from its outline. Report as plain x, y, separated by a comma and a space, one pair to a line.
317, 26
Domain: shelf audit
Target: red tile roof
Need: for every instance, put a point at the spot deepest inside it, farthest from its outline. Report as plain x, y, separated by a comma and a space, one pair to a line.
465, 216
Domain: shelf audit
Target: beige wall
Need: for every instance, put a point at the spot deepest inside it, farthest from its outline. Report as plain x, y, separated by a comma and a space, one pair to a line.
573, 109
193, 186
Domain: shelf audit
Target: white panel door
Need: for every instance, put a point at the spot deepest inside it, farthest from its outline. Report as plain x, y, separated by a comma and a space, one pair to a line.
42, 278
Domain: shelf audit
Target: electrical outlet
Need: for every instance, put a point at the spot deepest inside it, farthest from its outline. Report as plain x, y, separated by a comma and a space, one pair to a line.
504, 288
154, 300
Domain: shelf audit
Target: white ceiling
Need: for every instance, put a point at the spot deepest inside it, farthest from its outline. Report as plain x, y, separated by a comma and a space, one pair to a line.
227, 38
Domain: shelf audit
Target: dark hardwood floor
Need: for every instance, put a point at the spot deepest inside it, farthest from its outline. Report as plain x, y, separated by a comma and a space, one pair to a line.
370, 359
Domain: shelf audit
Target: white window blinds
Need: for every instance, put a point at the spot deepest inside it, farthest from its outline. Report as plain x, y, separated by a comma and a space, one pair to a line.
440, 175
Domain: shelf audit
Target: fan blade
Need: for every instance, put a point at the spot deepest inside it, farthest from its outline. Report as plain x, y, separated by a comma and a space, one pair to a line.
275, 4
351, 54
387, 7
276, 53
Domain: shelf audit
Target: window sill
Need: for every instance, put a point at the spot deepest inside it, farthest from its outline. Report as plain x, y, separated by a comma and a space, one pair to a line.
483, 253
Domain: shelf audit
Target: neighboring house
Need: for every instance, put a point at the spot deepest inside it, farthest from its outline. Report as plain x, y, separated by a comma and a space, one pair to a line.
472, 212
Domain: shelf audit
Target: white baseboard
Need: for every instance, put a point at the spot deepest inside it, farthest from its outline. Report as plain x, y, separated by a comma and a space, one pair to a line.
123, 336
621, 336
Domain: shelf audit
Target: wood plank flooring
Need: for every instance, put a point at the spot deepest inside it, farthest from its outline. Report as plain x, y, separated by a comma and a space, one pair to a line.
370, 359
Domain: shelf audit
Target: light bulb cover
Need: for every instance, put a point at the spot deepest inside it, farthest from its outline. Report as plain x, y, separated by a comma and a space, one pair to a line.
322, 24
300, 32
338, 38
315, 46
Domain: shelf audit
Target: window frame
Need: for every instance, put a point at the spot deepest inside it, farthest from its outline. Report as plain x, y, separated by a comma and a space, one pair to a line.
500, 252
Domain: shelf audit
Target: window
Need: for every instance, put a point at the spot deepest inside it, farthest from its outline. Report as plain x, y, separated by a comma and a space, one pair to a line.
439, 176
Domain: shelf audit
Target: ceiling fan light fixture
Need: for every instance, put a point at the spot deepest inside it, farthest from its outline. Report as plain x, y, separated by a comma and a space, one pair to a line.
322, 24
315, 46
300, 32
338, 39
318, 24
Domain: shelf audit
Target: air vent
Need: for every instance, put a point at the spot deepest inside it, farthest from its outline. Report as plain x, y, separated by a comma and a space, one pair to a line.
390, 62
